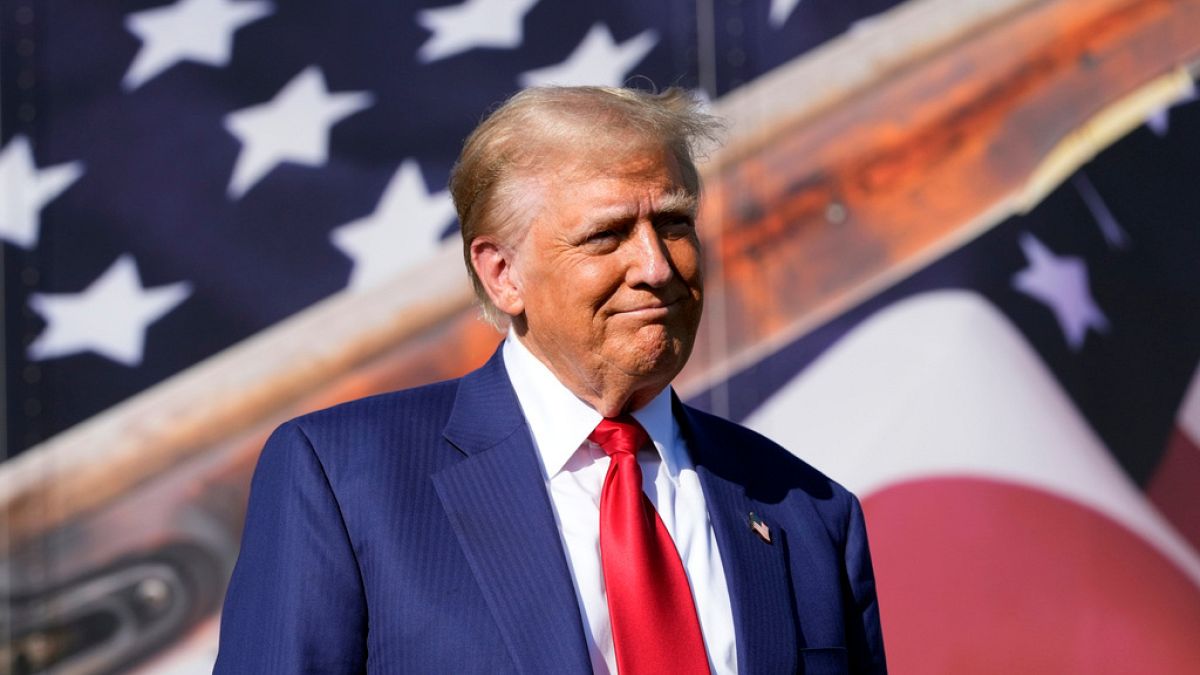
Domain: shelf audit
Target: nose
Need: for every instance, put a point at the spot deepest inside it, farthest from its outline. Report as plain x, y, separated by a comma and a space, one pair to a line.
650, 261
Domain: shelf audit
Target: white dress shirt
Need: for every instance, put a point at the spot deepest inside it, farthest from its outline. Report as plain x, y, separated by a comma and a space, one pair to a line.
574, 470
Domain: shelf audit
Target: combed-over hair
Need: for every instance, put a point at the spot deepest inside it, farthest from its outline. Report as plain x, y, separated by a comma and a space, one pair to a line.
494, 181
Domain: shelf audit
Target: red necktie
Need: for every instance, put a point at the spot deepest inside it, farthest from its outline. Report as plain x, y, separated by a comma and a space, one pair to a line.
654, 624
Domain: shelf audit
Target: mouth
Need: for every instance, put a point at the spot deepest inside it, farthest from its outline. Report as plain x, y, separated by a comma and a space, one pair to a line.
652, 310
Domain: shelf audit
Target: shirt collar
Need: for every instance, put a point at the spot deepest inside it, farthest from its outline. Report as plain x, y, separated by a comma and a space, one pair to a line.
560, 421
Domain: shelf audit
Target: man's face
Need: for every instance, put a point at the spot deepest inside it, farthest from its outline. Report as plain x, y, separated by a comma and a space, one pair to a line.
609, 275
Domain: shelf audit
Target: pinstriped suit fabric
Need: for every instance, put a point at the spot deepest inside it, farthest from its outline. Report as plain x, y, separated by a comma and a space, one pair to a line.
411, 533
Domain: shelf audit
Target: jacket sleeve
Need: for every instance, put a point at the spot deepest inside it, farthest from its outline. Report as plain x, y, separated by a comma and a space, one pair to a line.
863, 631
295, 603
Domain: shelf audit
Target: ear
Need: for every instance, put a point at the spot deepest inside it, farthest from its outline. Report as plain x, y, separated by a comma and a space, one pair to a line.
493, 265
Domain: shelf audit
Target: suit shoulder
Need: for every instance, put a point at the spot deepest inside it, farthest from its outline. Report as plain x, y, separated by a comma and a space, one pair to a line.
394, 407
354, 432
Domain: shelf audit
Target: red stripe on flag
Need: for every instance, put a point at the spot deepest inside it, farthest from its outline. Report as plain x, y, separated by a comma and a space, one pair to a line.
979, 576
1175, 486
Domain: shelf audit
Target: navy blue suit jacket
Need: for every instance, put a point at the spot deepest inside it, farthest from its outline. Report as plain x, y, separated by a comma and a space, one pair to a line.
411, 532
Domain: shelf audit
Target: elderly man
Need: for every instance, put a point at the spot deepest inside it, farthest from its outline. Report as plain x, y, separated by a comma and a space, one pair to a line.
557, 510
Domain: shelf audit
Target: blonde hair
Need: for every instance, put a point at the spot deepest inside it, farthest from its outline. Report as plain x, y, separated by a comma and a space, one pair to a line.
493, 182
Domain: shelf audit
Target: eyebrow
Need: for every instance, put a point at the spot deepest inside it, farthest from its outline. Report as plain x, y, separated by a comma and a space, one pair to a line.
680, 202
677, 202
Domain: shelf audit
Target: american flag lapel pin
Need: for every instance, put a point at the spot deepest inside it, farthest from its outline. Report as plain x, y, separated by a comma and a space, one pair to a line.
760, 528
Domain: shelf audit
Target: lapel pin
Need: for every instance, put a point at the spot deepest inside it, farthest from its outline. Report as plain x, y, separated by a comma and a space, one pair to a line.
760, 528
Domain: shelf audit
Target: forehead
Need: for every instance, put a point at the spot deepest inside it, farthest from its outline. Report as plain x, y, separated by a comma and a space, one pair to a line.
620, 185
614, 164
559, 182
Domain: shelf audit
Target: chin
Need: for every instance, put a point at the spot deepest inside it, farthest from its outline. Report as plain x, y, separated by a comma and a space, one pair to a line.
653, 352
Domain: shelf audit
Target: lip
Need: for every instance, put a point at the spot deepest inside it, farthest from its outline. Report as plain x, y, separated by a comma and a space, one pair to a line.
650, 311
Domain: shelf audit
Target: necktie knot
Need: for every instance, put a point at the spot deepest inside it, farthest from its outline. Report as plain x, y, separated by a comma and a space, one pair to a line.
619, 434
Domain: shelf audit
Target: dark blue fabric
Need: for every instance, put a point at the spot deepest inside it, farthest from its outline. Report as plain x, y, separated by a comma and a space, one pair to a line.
411, 532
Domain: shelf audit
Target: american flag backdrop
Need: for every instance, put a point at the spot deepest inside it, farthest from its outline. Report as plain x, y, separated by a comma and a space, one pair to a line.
1022, 419
179, 176
1021, 416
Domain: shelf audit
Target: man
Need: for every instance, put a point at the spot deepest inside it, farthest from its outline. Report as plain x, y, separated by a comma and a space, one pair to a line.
557, 510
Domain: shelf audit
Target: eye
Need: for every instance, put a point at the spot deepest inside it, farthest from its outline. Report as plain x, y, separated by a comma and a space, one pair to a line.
602, 241
602, 235
676, 227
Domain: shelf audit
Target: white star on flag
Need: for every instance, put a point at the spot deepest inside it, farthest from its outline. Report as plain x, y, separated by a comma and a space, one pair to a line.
189, 30
293, 126
405, 228
598, 60
474, 23
1061, 283
109, 317
780, 11
26, 189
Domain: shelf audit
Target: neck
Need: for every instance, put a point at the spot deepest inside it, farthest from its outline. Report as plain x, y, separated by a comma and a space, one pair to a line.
621, 402
610, 393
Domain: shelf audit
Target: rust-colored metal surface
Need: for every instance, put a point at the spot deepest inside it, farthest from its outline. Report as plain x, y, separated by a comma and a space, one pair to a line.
805, 215
831, 206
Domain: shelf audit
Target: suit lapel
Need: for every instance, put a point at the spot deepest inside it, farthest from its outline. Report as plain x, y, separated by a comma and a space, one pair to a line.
497, 504
756, 571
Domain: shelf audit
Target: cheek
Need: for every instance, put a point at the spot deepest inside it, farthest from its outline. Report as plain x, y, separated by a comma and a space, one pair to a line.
592, 285
686, 255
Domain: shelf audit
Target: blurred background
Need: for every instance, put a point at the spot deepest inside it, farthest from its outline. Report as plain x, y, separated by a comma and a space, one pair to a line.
953, 253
